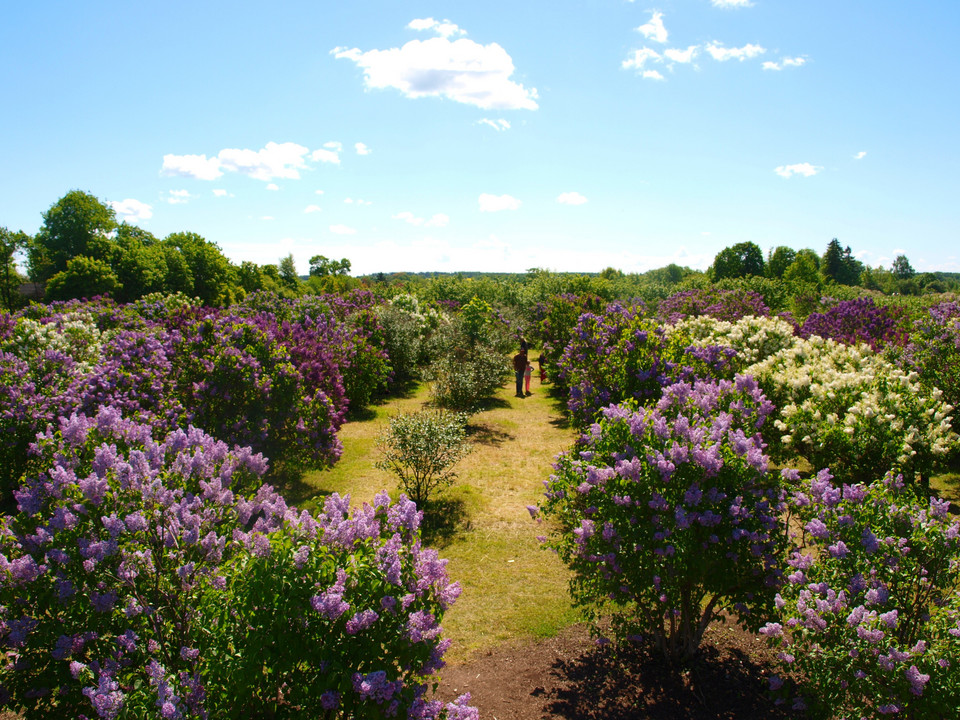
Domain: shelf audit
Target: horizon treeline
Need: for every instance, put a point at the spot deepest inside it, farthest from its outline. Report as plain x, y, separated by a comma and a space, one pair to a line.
81, 250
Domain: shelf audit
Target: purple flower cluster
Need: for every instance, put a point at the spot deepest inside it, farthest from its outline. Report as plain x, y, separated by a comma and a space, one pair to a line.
730, 305
870, 607
859, 321
671, 512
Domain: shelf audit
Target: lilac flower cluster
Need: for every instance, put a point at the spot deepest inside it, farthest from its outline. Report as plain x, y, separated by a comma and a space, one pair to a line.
556, 321
620, 355
669, 514
934, 350
139, 573
859, 321
869, 611
729, 305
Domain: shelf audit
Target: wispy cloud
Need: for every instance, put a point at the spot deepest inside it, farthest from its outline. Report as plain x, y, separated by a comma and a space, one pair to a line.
640, 58
130, 209
273, 186
496, 203
220, 192
654, 30
178, 197
357, 201
860, 155
785, 63
498, 125
731, 3
274, 160
461, 70
682, 56
313, 209
443, 28
805, 169
343, 230
438, 220
722, 54
571, 198
361, 149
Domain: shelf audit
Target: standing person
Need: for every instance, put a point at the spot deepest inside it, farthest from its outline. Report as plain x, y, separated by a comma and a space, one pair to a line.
519, 368
527, 375
543, 373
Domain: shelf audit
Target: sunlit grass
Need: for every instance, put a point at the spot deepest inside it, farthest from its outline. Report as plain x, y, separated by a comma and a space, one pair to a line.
511, 587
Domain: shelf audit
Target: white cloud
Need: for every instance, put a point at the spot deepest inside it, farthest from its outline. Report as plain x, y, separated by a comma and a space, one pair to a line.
654, 30
461, 70
342, 230
274, 160
220, 192
313, 209
722, 54
178, 197
334, 145
495, 203
571, 198
273, 186
640, 58
194, 166
498, 125
805, 169
438, 220
326, 156
682, 56
785, 63
267, 217
131, 209
652, 75
444, 29
319, 192
408, 217
357, 201
731, 3
860, 155
362, 149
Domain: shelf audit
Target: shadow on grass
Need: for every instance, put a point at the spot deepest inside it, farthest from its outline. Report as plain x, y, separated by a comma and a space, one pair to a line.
443, 520
558, 400
483, 435
633, 683
491, 403
947, 487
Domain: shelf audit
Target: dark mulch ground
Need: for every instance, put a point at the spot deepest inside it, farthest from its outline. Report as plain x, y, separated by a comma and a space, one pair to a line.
570, 677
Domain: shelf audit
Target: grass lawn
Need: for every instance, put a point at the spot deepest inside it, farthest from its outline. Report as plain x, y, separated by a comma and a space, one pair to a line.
511, 587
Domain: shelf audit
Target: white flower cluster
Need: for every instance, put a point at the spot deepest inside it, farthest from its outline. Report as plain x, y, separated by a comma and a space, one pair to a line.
754, 338
428, 318
844, 404
74, 335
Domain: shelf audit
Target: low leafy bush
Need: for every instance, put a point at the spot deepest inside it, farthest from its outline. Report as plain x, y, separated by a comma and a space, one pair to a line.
421, 448
157, 579
668, 515
869, 615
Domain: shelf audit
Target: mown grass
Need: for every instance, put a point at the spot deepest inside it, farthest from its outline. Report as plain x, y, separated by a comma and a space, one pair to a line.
512, 588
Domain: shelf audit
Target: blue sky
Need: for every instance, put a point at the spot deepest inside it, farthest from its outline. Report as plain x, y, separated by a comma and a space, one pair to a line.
493, 136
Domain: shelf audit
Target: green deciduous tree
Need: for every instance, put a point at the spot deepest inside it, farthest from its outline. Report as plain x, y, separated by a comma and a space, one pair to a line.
902, 269
84, 277
740, 260
214, 278
77, 224
11, 245
779, 260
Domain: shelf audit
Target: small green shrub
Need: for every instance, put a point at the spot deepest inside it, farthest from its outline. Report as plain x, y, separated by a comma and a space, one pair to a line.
421, 448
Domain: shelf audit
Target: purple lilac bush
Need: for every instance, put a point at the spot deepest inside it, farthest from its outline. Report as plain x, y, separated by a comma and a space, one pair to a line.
620, 355
934, 350
668, 515
859, 321
869, 615
156, 578
729, 305
556, 321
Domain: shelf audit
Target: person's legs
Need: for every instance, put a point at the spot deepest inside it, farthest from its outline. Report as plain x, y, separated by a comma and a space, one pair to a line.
519, 383
528, 383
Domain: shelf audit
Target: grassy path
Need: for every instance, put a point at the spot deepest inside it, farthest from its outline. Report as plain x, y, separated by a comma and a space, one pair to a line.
511, 587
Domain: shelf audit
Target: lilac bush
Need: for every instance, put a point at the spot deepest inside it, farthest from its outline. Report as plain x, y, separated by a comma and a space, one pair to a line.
156, 578
668, 515
869, 613
730, 305
620, 355
556, 321
934, 350
859, 321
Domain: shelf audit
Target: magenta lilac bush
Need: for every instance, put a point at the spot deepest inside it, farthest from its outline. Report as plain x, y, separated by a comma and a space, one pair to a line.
730, 305
156, 578
859, 321
668, 515
869, 613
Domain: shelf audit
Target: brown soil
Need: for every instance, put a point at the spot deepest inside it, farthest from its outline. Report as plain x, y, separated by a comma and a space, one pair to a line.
570, 676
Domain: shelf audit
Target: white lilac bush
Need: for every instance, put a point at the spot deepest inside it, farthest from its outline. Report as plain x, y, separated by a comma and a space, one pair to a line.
848, 408
668, 515
869, 613
157, 578
755, 338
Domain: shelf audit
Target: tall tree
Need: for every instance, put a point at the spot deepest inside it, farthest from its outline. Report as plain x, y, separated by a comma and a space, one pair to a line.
214, 278
84, 277
288, 274
12, 244
839, 265
740, 260
902, 269
77, 224
779, 260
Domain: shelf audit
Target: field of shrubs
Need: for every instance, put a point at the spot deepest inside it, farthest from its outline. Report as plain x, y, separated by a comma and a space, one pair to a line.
732, 460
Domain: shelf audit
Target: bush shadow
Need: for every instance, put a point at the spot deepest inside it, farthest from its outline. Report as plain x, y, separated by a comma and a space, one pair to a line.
484, 435
558, 402
631, 683
443, 520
